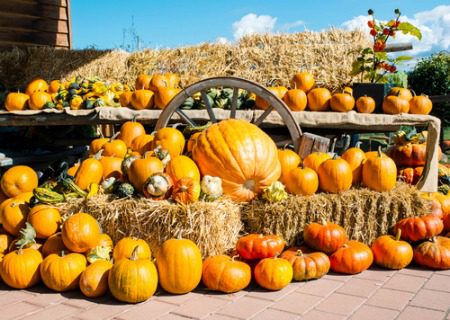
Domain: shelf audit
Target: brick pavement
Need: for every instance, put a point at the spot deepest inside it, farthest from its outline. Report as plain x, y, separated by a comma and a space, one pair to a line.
409, 294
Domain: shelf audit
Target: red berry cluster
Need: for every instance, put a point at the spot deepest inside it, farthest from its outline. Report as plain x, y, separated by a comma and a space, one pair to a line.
386, 66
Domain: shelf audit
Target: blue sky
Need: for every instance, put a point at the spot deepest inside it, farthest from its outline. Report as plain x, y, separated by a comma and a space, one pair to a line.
175, 23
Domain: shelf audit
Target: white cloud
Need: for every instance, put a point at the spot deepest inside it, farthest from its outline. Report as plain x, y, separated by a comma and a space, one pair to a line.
434, 25
251, 24
222, 40
287, 27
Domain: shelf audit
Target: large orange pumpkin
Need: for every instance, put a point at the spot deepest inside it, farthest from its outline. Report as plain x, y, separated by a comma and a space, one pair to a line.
434, 253
315, 159
302, 80
295, 99
379, 173
171, 140
420, 105
182, 167
342, 102
223, 273
80, 232
168, 80
141, 169
319, 99
353, 257
395, 105
289, 160
258, 246
335, 175
18, 179
129, 131
36, 85
355, 158
419, 228
302, 181
90, 171
326, 237
16, 101
241, 154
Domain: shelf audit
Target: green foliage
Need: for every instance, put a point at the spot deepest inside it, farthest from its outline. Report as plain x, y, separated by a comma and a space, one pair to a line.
408, 28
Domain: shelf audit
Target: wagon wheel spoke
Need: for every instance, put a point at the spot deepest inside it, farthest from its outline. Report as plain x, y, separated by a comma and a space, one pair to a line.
185, 117
263, 116
234, 103
208, 107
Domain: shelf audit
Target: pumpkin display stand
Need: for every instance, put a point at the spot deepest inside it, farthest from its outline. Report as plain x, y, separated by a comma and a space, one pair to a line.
214, 226
365, 214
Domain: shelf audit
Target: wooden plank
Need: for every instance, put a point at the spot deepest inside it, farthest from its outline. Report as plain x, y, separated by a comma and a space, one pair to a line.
69, 24
9, 44
59, 3
33, 9
395, 47
33, 25
45, 38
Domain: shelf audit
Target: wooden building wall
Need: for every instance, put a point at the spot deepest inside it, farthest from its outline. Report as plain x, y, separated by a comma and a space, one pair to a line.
35, 23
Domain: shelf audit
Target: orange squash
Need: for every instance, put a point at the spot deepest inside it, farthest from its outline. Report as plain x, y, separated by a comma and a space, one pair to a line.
302, 181
36, 85
279, 91
295, 99
90, 171
306, 264
186, 190
182, 167
379, 173
342, 102
365, 104
129, 131
335, 175
289, 160
142, 99
38, 100
355, 158
142, 143
143, 82
410, 154
319, 99
241, 154
141, 169
112, 167
303, 81
45, 220
168, 80
420, 105
315, 159
395, 105
164, 95
171, 140
353, 257
18, 179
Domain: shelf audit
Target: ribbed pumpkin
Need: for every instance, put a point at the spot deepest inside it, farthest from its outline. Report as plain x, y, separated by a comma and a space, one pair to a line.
132, 279
326, 237
17, 180
392, 253
14, 215
16, 101
335, 175
295, 99
141, 169
306, 264
302, 181
223, 273
365, 104
143, 81
168, 80
279, 91
164, 95
319, 99
355, 158
20, 269
90, 171
258, 246
410, 154
142, 99
96, 145
62, 272
186, 190
315, 159
124, 248
192, 140
273, 273
289, 160
36, 85
419, 228
80, 232
142, 143
94, 280
401, 93
112, 167
53, 244
182, 167
342, 102
434, 253
179, 264
353, 257
129, 131
410, 175
171, 140
115, 148
45, 220
125, 98
38, 100
302, 80
379, 173
241, 154
395, 105
420, 105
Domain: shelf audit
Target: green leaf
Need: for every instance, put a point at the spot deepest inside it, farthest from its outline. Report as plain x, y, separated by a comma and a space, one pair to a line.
356, 68
403, 58
381, 55
408, 28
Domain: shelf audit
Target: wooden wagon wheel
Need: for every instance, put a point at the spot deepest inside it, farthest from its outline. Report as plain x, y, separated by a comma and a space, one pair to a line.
236, 84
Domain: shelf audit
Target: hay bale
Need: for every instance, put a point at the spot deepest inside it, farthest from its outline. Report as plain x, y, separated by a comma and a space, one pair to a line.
364, 214
213, 226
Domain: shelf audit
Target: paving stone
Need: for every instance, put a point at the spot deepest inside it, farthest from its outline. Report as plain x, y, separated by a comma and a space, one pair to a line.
430, 299
321, 315
341, 304
46, 299
59, 311
413, 313
219, 317
405, 282
416, 271
392, 299
438, 282
359, 287
19, 309
336, 276
150, 309
271, 314
320, 287
168, 316
261, 293
443, 272
369, 312
376, 274
177, 299
297, 302
105, 311
200, 307
244, 308
14, 296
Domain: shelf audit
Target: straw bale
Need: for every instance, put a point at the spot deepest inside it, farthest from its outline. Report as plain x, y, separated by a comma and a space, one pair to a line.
364, 214
213, 226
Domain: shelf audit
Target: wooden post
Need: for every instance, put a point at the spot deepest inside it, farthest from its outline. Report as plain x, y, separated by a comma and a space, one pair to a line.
395, 47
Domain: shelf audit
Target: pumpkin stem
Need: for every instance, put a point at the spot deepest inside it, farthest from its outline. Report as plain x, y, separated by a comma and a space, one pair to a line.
98, 155
398, 235
324, 221
413, 92
115, 135
299, 253
134, 254
233, 258
62, 253
380, 153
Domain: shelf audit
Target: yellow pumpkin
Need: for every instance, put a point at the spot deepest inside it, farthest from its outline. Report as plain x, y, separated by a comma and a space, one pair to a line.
164, 95
20, 269
90, 171
142, 99
36, 85
182, 167
94, 280
171, 140
18, 179
16, 101
38, 100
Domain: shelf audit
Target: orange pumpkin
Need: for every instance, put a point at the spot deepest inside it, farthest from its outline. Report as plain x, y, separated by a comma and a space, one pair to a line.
80, 232
192, 140
171, 140
379, 173
182, 167
53, 244
20, 269
326, 237
410, 154
45, 220
90, 171
142, 143
307, 265
186, 190
295, 99
142, 99
289, 160
54, 86
401, 93
72, 171
355, 158
164, 95
342, 102
335, 175
315, 159
143, 82
129, 131
223, 273
125, 247
168, 80
302, 181
258, 246
280, 91
141, 169
115, 148
392, 253
94, 279
420, 105
18, 179
319, 99
365, 104
434, 253
395, 105
14, 215
125, 98
36, 85
353, 257
96, 145
419, 228
444, 200
38, 100
241, 154
112, 167
410, 175
273, 273
5, 242
16, 101
303, 81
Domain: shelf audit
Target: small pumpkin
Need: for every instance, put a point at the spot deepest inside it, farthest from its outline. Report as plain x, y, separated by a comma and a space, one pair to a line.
307, 265
14, 215
124, 248
5, 242
112, 167
400, 92
335, 175
54, 86
319, 99
186, 190
164, 95
419, 228
143, 81
352, 258
20, 269
125, 98
158, 186
80, 232
395, 105
289, 160
392, 253
53, 244
444, 200
182, 167
72, 171
168, 80
365, 104
129, 131
94, 279
273, 273
420, 105
18, 179
105, 241
132, 279
279, 91
36, 85
225, 274
62, 272
410, 154
142, 143
410, 175
96, 145
16, 101
327, 237
141, 169
434, 253
169, 139
342, 102
302, 181
38, 100
115, 148
295, 99
303, 80
45, 220
315, 159
142, 99
90, 171
379, 173
259, 246
355, 158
